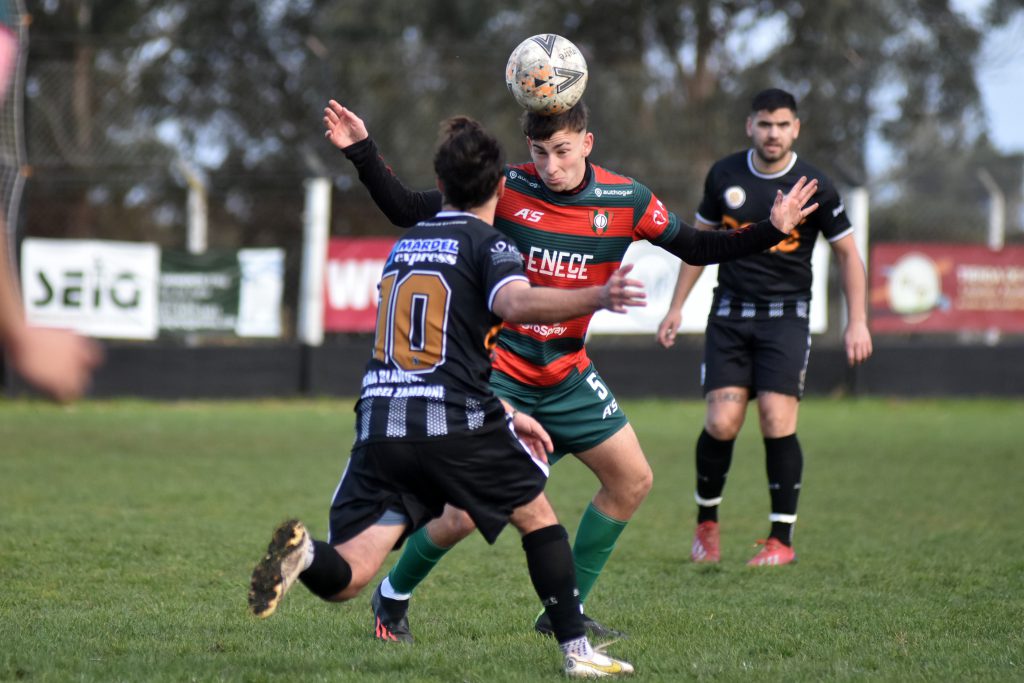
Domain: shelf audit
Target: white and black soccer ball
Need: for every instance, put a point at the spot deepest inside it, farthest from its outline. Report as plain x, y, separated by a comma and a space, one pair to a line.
546, 74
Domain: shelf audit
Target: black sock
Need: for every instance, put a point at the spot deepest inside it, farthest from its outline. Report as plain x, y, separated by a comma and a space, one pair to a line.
713, 460
549, 559
329, 574
784, 461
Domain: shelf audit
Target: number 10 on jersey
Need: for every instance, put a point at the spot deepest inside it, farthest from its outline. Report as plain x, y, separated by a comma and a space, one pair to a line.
412, 317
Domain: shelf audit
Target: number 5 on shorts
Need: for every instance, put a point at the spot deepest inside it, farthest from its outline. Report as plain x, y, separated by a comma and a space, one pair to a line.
597, 385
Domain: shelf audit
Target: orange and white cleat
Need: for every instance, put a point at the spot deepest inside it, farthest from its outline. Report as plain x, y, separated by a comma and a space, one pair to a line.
775, 552
705, 543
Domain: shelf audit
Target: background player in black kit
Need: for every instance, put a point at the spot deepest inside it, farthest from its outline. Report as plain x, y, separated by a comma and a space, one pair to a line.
757, 340
429, 431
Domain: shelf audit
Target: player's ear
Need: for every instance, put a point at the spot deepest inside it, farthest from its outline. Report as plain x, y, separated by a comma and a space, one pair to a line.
440, 185
796, 128
500, 189
750, 126
588, 143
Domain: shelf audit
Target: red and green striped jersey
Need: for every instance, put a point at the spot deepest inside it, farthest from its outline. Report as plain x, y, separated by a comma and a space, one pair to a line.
569, 240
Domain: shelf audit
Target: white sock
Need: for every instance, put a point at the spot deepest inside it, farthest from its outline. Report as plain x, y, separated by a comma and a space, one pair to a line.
388, 591
579, 647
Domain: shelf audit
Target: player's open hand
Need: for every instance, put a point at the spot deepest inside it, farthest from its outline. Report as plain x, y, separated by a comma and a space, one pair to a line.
533, 436
667, 329
789, 211
344, 128
57, 362
620, 292
857, 341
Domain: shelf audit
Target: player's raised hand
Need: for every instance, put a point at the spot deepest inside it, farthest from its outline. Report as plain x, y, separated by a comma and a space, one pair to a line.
344, 128
789, 210
667, 329
620, 292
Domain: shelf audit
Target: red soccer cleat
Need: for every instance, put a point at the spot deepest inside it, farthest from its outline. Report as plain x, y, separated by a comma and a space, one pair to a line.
705, 543
775, 552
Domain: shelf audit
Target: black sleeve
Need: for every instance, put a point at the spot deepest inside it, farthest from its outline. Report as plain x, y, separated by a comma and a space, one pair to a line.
402, 206
702, 247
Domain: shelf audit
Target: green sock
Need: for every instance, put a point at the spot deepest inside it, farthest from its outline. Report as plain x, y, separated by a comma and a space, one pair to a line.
418, 558
595, 541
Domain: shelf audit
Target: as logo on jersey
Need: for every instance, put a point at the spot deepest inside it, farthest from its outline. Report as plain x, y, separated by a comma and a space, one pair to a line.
599, 221
735, 197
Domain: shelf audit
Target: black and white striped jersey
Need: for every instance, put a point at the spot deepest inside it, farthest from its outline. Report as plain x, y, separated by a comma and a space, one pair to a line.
430, 366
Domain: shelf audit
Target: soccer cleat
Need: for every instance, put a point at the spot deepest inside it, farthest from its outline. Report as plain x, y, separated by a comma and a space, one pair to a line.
597, 665
775, 552
595, 629
705, 543
277, 571
390, 619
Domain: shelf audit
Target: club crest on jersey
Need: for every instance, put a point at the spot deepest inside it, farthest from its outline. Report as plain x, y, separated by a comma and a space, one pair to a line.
600, 220
735, 196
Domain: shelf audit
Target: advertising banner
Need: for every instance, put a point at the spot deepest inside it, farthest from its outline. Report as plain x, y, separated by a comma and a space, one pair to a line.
932, 287
222, 291
354, 267
198, 292
97, 288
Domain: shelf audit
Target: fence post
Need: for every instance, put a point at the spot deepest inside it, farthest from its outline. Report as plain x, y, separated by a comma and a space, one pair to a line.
315, 228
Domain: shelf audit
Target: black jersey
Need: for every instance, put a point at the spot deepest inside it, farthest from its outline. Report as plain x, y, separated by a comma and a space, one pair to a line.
428, 376
736, 194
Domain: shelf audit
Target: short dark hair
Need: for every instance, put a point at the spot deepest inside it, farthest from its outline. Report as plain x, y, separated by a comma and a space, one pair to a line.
772, 99
469, 162
539, 127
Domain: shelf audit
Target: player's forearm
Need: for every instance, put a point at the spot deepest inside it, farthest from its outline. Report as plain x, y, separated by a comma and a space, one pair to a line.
402, 206
687, 278
702, 247
12, 317
549, 305
854, 282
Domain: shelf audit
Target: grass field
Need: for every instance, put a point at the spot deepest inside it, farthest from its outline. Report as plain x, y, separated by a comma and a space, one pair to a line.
128, 531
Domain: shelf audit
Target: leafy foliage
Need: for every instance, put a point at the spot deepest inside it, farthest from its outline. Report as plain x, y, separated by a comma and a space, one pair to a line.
237, 88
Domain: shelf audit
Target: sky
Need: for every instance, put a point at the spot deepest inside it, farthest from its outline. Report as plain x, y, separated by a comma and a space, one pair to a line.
1001, 79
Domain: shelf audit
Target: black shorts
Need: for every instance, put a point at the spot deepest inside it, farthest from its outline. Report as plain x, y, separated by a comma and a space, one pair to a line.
488, 474
759, 354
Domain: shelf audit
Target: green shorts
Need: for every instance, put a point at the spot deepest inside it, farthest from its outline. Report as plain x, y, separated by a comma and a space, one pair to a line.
579, 412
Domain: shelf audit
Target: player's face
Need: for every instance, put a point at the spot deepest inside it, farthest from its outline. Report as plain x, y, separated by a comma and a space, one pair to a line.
561, 160
773, 133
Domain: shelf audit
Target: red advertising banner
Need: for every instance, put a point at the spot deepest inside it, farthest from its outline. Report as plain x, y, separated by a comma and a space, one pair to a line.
354, 266
928, 287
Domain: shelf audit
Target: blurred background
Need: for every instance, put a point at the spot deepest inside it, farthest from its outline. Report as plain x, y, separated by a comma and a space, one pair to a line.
168, 155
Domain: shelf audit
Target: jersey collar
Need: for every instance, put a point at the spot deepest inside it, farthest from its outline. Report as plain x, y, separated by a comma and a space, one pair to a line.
769, 176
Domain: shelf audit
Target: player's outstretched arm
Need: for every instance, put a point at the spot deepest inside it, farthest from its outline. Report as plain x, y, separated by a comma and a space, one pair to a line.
701, 248
402, 206
518, 302
57, 362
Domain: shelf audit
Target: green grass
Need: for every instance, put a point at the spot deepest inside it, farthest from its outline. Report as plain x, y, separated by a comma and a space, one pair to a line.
128, 530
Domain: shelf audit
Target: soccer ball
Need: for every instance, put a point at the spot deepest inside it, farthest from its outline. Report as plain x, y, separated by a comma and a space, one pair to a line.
546, 74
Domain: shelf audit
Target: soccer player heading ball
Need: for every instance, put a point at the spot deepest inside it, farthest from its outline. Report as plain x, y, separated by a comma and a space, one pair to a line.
429, 430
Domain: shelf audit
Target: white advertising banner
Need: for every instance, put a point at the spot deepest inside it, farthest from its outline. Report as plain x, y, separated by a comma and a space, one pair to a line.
261, 292
658, 270
97, 288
